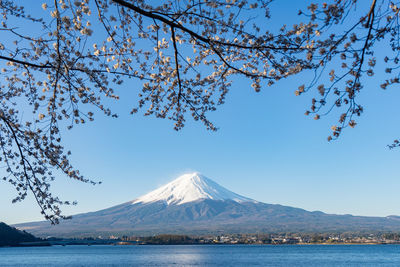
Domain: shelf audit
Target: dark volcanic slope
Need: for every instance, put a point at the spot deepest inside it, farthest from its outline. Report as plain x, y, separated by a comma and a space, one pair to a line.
207, 216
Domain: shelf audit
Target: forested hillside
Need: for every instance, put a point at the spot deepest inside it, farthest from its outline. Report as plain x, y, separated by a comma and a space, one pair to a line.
10, 236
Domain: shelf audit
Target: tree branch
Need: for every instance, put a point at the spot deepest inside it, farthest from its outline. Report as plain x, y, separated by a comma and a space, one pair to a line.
176, 64
45, 66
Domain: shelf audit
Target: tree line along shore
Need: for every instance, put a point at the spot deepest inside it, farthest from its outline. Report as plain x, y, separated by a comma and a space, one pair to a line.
10, 236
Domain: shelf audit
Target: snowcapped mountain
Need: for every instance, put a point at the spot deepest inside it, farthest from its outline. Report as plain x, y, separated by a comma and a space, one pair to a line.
194, 204
188, 188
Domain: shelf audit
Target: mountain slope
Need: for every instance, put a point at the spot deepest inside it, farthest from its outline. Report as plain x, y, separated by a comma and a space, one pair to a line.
9, 236
194, 204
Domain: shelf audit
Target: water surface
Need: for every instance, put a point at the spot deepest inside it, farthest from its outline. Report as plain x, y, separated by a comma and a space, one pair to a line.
203, 255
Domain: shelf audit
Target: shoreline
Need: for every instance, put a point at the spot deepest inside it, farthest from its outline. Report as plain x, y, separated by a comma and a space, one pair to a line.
216, 244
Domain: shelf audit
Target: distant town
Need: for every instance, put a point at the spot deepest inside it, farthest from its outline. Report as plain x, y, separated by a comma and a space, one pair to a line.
10, 236
261, 239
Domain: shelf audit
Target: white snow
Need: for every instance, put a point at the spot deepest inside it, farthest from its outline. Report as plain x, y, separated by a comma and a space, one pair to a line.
190, 187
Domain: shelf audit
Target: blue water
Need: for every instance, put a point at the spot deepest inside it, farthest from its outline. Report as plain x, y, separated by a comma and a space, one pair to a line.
204, 255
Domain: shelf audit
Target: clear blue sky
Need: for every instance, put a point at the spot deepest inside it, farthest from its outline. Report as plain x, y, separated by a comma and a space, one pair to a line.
265, 149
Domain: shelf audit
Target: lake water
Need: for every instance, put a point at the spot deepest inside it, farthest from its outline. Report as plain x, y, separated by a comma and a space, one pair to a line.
203, 255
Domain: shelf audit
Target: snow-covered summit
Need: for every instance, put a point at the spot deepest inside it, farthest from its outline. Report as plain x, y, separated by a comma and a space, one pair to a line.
190, 187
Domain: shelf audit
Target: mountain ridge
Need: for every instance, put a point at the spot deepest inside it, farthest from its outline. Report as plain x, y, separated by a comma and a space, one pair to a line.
194, 204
